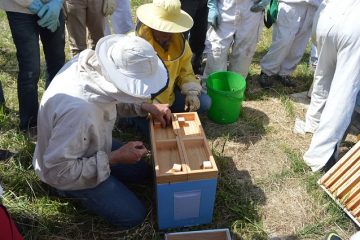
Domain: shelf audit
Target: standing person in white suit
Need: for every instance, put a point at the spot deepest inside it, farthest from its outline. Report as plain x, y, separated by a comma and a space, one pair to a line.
290, 35
232, 26
336, 80
121, 19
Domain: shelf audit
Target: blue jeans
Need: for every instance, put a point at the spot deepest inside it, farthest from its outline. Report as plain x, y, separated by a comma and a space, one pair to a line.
111, 199
142, 124
25, 32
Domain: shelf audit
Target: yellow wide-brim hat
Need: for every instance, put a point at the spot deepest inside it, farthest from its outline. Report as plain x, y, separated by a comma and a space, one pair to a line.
165, 16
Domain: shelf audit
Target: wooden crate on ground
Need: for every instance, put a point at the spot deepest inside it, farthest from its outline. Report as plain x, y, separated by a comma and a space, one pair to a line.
186, 172
215, 234
342, 183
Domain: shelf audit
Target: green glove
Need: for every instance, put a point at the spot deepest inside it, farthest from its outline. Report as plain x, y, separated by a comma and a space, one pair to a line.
214, 15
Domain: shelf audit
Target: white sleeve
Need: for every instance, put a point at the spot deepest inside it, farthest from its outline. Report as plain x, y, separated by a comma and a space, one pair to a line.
68, 162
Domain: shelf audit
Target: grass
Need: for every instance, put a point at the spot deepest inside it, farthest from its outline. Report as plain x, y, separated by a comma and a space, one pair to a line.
257, 158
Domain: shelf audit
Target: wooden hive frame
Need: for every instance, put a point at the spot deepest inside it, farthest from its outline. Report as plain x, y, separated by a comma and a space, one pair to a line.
342, 183
183, 144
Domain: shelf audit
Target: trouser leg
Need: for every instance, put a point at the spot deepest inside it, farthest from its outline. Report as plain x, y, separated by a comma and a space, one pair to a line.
76, 25
95, 21
111, 200
25, 33
53, 46
219, 43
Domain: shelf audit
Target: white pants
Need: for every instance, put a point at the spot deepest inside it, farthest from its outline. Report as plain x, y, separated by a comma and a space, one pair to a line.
336, 80
290, 35
235, 36
121, 19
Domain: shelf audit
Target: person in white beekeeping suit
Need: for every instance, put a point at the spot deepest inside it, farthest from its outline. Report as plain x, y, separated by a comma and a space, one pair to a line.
336, 81
290, 35
121, 19
233, 33
75, 152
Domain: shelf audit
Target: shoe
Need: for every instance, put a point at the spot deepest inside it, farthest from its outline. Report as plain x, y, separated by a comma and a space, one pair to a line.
332, 236
5, 154
313, 61
265, 80
330, 163
286, 81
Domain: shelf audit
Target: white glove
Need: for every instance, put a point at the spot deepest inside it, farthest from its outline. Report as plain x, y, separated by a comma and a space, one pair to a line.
108, 7
192, 102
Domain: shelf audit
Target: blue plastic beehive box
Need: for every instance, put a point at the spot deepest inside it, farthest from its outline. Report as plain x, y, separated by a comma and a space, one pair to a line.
186, 173
185, 203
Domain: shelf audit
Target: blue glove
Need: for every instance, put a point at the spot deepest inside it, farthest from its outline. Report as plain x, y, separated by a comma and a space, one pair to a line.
49, 15
214, 15
259, 5
35, 6
52, 25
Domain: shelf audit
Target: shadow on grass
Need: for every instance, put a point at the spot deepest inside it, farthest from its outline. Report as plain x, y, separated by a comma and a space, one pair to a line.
249, 129
238, 201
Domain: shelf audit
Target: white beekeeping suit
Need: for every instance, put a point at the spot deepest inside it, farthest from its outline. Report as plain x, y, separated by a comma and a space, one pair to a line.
121, 19
290, 35
236, 35
336, 80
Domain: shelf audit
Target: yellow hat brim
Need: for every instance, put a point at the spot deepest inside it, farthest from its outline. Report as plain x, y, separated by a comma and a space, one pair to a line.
153, 17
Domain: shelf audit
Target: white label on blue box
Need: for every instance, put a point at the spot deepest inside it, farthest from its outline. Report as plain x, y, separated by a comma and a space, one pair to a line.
187, 204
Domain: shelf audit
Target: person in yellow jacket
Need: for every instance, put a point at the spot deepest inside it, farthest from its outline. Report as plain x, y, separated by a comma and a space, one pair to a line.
162, 23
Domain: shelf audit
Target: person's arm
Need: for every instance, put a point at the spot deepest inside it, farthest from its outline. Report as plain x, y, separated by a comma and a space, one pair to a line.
160, 112
130, 110
129, 153
68, 163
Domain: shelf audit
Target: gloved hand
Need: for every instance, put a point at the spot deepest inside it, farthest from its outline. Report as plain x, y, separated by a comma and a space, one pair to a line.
213, 15
192, 102
35, 6
49, 15
259, 5
108, 7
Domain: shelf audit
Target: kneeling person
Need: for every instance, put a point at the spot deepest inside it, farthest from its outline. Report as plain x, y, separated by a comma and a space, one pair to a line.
75, 152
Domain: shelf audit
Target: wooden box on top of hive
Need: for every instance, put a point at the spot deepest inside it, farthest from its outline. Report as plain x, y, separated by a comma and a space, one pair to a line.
186, 173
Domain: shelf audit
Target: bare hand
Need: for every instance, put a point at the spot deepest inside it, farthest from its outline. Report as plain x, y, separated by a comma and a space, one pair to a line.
160, 112
129, 153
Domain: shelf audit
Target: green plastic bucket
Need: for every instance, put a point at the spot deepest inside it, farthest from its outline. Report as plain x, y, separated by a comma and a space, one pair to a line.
226, 90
